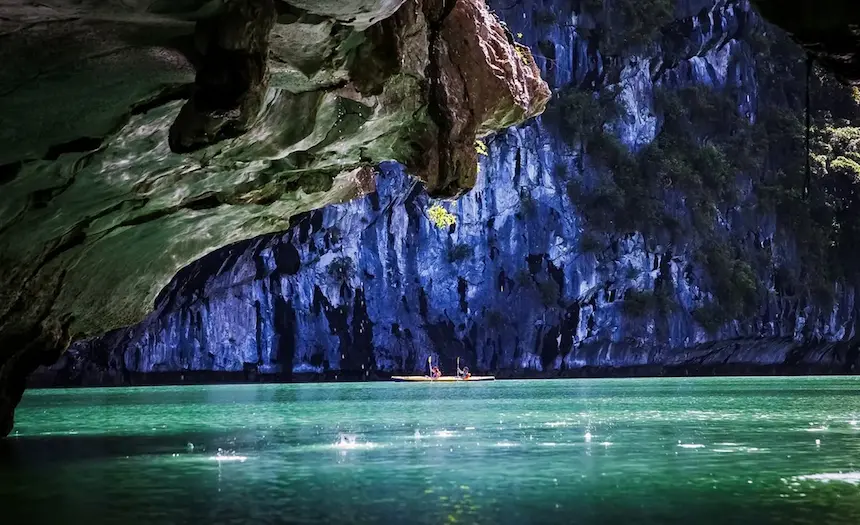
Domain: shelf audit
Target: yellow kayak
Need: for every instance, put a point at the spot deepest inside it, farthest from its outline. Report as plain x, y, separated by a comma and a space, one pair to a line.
443, 379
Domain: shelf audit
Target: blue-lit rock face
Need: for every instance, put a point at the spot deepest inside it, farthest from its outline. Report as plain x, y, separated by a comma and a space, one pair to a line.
537, 277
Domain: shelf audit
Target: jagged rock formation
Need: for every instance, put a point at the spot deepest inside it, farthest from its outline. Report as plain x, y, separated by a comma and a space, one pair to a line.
654, 220
140, 135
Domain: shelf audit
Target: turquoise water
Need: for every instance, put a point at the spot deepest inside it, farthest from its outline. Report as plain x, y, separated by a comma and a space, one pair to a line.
644, 451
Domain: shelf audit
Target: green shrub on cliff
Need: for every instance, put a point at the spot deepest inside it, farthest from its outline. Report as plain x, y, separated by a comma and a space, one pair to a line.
638, 303
710, 316
734, 283
635, 23
583, 113
846, 167
677, 160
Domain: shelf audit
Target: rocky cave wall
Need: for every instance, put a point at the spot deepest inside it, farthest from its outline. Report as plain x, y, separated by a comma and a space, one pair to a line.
137, 136
657, 216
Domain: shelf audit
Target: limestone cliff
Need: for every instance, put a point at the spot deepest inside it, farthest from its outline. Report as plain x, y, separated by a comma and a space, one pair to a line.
658, 218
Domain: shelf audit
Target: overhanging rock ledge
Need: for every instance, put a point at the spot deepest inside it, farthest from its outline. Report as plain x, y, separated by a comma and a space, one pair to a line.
139, 135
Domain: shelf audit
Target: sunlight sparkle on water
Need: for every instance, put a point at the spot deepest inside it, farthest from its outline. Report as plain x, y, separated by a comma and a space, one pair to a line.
225, 455
350, 442
531, 448
240, 459
852, 478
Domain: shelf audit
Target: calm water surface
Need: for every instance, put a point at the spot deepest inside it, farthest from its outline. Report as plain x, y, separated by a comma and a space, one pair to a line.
644, 451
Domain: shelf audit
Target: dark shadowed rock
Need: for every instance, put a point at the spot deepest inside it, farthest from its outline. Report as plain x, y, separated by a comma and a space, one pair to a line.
828, 29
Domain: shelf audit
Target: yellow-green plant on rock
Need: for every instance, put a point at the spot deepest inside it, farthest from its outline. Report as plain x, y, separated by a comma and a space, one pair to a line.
481, 148
521, 53
441, 217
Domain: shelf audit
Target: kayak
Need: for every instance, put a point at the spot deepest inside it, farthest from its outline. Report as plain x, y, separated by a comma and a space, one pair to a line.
443, 379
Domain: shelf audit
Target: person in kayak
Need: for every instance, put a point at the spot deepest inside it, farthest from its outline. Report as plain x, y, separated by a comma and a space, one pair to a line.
435, 373
464, 372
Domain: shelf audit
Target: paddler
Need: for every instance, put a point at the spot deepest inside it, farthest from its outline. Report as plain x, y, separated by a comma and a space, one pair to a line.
435, 373
464, 372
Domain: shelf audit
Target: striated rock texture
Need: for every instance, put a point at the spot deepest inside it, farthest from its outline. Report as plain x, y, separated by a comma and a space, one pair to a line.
138, 135
660, 217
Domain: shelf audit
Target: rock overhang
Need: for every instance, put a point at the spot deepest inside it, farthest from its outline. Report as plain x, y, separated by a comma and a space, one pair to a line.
251, 142
138, 136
